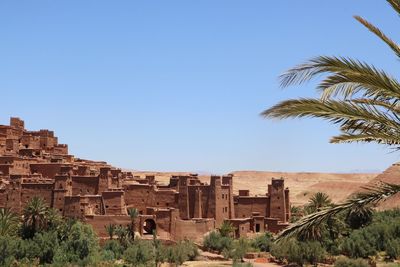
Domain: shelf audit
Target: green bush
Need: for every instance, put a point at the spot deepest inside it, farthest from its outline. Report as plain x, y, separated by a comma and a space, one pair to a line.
299, 252
346, 262
81, 246
215, 241
138, 253
262, 242
393, 248
181, 252
114, 247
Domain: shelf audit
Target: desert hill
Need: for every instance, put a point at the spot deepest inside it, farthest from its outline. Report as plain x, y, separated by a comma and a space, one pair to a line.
301, 184
390, 175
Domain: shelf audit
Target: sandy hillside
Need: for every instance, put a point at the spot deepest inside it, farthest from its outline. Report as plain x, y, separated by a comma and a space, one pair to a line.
301, 184
392, 176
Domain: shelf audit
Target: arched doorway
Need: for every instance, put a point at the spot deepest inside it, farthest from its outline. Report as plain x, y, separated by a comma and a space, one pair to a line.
149, 226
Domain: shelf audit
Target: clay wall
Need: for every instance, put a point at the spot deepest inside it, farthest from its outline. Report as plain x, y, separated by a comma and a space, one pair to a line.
28, 141
41, 190
273, 225
73, 207
92, 205
48, 170
5, 169
164, 198
246, 206
60, 149
138, 196
242, 227
17, 123
114, 202
84, 185
12, 144
3, 197
99, 222
193, 229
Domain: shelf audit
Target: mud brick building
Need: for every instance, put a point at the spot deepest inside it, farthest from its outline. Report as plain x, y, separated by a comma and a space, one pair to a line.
33, 163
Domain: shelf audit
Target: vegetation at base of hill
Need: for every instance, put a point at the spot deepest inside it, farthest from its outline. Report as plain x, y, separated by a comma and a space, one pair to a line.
42, 237
355, 239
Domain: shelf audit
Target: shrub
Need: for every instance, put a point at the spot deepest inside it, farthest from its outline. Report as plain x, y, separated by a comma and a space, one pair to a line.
298, 252
240, 249
346, 262
139, 252
214, 241
181, 252
262, 242
81, 246
393, 248
114, 247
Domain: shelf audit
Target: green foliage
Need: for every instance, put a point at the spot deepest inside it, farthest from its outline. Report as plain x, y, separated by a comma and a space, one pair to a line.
393, 248
7, 250
110, 229
262, 242
81, 246
383, 234
181, 252
138, 253
298, 252
318, 201
346, 262
35, 217
359, 217
8, 222
215, 241
240, 249
113, 248
226, 229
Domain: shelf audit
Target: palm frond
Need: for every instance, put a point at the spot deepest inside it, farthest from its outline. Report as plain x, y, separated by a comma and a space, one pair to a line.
339, 112
393, 107
395, 5
366, 138
372, 196
395, 47
346, 77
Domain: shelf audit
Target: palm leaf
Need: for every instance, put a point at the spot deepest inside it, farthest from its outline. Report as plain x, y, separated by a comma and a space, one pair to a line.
395, 47
372, 196
395, 5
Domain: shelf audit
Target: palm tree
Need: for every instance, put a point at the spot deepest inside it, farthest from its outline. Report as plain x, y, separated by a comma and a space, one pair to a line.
35, 216
110, 228
133, 214
8, 222
318, 201
121, 232
361, 99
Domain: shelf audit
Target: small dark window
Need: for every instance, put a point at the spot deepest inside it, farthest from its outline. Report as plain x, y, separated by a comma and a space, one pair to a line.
106, 206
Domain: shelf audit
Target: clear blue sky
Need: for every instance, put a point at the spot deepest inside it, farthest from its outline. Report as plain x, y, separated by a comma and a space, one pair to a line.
179, 85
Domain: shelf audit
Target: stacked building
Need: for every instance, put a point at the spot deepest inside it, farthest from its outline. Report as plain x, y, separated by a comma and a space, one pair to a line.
33, 163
